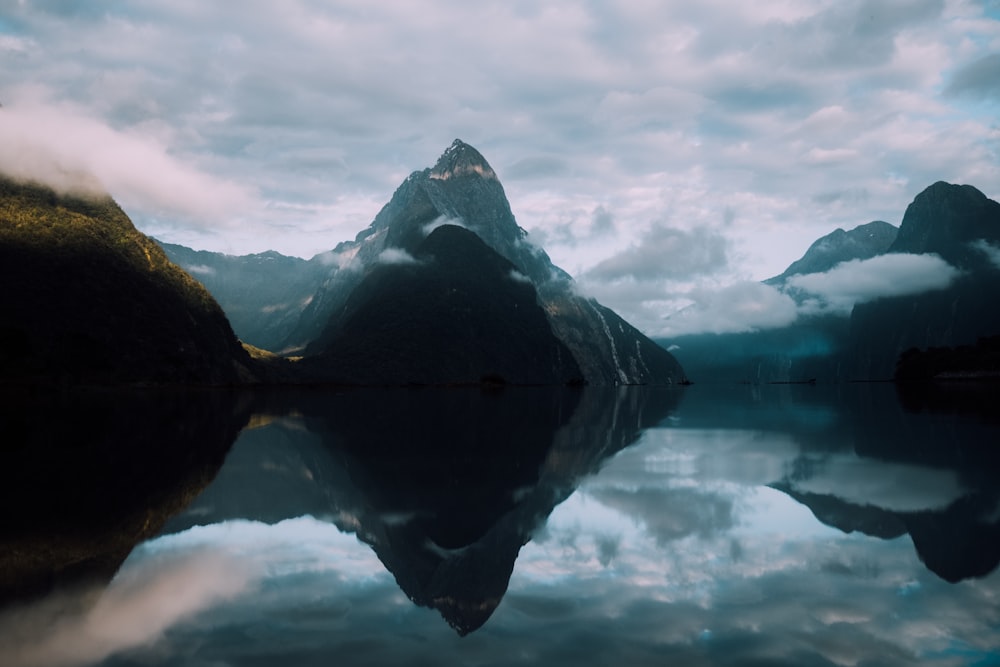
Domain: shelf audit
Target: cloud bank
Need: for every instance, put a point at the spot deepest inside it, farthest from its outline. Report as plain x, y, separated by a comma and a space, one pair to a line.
744, 306
860, 281
63, 147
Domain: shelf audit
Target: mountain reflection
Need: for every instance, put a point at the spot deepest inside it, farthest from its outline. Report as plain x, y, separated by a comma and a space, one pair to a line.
88, 474
925, 464
445, 486
786, 525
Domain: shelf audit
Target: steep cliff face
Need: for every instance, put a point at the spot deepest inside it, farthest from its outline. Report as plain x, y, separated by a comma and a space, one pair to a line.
462, 189
454, 312
88, 298
961, 225
950, 220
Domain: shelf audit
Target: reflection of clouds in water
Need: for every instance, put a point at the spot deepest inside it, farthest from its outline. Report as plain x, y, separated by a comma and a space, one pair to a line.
671, 554
141, 604
772, 594
312, 595
898, 487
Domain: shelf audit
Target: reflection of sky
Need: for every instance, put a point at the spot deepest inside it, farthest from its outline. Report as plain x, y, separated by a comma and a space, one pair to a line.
674, 552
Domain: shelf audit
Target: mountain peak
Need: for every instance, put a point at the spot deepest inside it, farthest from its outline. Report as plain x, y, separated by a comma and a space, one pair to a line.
862, 242
944, 219
461, 159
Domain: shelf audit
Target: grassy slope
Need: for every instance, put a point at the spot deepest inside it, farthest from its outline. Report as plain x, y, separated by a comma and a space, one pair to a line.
86, 297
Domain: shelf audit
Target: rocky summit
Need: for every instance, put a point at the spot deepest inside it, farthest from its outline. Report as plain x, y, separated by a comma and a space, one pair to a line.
462, 190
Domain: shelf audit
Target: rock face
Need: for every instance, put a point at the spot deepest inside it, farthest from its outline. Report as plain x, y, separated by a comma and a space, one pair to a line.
88, 298
959, 224
263, 294
454, 312
949, 220
463, 190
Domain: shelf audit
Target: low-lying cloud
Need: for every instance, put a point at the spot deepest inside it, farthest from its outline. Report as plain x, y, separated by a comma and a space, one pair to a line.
860, 281
991, 251
396, 257
744, 306
666, 253
65, 148
440, 221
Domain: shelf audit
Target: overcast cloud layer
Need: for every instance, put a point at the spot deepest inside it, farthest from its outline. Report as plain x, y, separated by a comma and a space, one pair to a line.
655, 149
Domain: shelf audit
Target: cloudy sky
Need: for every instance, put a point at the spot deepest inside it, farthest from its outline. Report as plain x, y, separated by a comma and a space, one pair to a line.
654, 149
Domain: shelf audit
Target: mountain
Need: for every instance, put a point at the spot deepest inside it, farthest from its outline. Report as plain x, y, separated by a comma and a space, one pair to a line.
962, 226
263, 294
958, 223
862, 242
463, 190
88, 475
950, 221
807, 349
88, 298
454, 312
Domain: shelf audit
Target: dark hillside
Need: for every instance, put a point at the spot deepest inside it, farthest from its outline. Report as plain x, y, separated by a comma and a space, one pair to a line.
87, 298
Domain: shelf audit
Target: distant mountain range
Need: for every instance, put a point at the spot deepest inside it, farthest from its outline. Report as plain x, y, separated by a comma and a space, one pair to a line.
956, 228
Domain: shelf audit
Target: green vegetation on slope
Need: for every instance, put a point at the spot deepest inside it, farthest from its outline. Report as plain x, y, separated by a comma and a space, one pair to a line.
88, 298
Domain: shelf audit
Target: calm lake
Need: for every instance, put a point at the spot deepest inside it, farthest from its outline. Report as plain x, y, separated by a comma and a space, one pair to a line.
737, 525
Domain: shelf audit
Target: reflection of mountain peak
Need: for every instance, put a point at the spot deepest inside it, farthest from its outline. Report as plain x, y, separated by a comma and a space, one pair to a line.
446, 486
954, 543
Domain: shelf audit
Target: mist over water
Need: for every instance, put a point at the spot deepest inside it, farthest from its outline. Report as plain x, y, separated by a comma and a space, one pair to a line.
723, 525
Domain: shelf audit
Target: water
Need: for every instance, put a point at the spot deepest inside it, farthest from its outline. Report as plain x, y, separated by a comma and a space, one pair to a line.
770, 525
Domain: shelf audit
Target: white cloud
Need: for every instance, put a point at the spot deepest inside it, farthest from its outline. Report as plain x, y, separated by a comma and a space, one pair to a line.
396, 256
200, 269
440, 221
62, 146
860, 281
991, 251
136, 609
743, 306
519, 277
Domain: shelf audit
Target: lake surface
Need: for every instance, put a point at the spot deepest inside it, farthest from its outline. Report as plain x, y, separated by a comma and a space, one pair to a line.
739, 525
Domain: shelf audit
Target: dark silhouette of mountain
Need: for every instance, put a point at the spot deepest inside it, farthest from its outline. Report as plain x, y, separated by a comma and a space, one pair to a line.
807, 349
462, 189
924, 431
948, 220
956, 222
445, 485
862, 242
454, 312
87, 298
953, 222
263, 295
955, 543
88, 474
